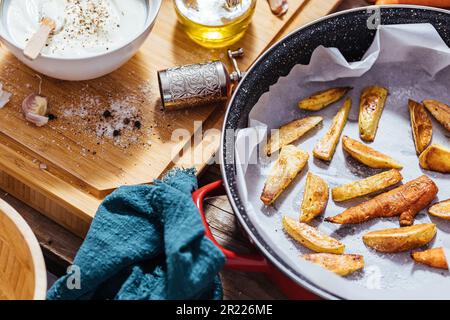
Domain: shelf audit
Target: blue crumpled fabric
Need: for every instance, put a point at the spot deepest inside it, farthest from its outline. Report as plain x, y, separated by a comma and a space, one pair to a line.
146, 242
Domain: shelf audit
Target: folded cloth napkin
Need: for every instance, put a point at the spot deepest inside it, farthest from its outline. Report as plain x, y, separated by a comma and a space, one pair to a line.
146, 242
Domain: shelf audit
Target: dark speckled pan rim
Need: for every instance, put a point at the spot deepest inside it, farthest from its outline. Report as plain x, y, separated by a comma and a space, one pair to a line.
228, 171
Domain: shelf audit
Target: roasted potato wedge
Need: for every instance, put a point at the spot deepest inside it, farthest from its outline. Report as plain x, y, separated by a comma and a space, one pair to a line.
291, 161
311, 237
422, 128
325, 147
440, 111
406, 201
371, 107
368, 156
436, 158
323, 99
290, 133
400, 239
441, 210
315, 198
340, 264
366, 186
432, 257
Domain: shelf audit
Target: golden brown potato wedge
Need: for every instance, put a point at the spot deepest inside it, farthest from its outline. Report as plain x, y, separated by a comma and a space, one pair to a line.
432, 257
323, 99
440, 111
291, 161
340, 264
400, 239
406, 201
371, 107
422, 128
441, 210
366, 186
368, 156
326, 146
290, 133
436, 158
311, 237
315, 198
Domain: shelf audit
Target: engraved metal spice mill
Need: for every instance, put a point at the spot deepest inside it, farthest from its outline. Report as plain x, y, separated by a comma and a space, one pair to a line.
198, 84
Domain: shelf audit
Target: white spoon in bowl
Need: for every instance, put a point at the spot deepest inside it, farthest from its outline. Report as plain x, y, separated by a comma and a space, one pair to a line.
39, 39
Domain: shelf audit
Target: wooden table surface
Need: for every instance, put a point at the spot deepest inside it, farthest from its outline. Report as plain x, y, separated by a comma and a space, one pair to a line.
60, 246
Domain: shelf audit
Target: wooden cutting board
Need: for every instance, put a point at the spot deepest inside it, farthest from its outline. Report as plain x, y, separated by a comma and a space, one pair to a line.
111, 131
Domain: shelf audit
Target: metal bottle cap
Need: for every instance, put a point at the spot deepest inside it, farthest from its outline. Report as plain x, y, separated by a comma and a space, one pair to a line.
197, 84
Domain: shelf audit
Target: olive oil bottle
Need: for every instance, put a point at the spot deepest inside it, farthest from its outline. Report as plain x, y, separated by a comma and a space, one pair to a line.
215, 23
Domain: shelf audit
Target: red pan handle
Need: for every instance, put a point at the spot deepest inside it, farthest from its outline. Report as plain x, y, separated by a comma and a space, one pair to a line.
235, 261
249, 262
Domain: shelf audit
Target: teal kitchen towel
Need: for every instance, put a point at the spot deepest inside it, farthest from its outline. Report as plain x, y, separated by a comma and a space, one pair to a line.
146, 242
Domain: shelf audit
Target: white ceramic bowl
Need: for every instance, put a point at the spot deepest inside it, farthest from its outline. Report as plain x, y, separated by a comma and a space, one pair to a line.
86, 68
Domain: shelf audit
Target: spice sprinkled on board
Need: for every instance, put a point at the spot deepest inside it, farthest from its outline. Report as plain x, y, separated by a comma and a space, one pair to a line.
107, 118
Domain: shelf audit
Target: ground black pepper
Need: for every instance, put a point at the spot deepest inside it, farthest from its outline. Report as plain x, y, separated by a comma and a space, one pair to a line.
107, 114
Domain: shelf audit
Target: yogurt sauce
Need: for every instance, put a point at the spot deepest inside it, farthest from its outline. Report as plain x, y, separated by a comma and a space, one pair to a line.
83, 27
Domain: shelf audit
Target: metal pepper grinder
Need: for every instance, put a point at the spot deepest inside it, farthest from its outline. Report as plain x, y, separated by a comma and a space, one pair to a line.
198, 84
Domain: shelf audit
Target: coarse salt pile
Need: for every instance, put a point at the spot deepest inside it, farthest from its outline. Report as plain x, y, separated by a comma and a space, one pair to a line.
116, 119
119, 117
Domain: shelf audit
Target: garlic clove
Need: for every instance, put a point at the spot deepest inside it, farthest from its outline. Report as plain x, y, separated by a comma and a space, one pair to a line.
38, 120
35, 109
35, 104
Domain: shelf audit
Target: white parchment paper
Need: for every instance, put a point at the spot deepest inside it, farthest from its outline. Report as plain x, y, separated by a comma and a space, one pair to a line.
413, 62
